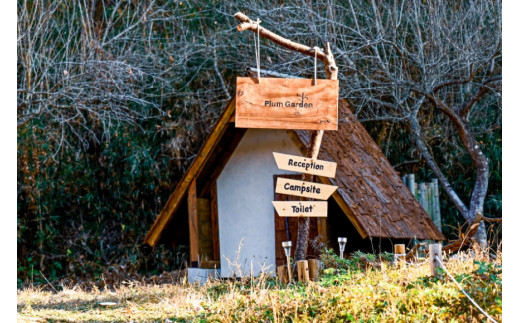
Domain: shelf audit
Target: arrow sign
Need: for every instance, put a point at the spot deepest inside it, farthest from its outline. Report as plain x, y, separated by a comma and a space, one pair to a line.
301, 208
305, 165
302, 188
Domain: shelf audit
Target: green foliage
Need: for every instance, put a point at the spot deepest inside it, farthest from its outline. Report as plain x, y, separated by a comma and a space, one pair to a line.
84, 213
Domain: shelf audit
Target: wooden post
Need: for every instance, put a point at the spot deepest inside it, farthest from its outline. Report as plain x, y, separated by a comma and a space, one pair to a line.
282, 274
303, 270
205, 233
214, 222
314, 269
410, 181
435, 254
193, 224
322, 229
399, 253
429, 195
437, 204
422, 196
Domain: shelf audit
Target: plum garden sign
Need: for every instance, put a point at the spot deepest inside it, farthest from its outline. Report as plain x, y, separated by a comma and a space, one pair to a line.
280, 103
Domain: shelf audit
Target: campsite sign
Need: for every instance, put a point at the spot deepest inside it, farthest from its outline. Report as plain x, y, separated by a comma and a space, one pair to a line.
283, 103
301, 208
305, 165
302, 188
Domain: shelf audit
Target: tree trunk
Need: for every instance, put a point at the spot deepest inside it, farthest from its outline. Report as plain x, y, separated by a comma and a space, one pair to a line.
482, 169
302, 241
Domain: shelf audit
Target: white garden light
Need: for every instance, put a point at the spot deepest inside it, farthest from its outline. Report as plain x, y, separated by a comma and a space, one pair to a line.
342, 242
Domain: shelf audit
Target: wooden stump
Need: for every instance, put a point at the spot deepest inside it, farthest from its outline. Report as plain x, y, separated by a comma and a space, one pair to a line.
314, 269
435, 258
399, 253
303, 270
281, 272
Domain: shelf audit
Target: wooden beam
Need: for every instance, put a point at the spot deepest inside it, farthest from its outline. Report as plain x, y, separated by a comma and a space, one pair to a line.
214, 222
154, 234
193, 224
205, 229
322, 229
211, 264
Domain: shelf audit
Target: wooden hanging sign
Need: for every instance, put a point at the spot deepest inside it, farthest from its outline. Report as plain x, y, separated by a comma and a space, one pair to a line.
280, 103
301, 208
302, 188
305, 165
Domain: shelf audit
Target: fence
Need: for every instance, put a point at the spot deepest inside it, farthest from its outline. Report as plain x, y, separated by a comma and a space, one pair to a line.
428, 196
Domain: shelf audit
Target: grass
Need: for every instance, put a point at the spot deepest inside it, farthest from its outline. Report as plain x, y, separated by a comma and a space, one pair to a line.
347, 291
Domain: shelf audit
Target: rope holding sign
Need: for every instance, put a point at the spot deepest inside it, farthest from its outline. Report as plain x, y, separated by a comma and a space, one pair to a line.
316, 49
257, 47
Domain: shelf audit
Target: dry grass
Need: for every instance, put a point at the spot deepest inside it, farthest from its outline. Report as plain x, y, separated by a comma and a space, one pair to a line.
391, 294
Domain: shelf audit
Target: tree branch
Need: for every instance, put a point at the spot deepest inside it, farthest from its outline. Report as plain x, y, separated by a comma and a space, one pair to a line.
466, 107
325, 56
424, 149
464, 239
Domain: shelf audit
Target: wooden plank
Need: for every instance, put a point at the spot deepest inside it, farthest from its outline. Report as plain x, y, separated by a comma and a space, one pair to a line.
305, 165
193, 224
205, 228
154, 234
301, 208
278, 103
306, 189
210, 264
214, 222
322, 229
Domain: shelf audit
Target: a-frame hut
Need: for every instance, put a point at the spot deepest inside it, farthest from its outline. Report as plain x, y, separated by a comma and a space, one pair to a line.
222, 206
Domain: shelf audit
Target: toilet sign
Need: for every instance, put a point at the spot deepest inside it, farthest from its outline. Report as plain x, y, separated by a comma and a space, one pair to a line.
301, 208
282, 103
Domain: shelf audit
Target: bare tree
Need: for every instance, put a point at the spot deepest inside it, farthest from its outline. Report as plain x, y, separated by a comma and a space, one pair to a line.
413, 60
86, 66
432, 65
